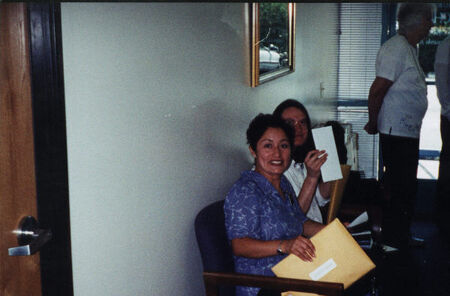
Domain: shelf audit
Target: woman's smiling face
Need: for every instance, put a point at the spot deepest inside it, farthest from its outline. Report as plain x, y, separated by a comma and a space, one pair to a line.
273, 153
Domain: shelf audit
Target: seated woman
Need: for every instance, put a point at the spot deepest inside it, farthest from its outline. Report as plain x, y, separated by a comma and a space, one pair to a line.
304, 171
263, 219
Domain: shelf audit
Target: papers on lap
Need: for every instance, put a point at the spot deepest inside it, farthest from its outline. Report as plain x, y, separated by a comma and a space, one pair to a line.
339, 259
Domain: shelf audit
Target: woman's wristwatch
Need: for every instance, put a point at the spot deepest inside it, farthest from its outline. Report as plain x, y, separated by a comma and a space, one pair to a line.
279, 250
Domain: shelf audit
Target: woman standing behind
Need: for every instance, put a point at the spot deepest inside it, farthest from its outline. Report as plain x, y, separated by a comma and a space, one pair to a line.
263, 219
304, 170
397, 104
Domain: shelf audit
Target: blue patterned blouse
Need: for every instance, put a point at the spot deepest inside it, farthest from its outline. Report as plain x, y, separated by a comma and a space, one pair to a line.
254, 209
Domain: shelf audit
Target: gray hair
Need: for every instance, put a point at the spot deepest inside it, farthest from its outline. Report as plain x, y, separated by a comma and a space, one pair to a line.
410, 15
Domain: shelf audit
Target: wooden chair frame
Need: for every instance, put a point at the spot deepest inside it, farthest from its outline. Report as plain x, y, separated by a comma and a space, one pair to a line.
215, 279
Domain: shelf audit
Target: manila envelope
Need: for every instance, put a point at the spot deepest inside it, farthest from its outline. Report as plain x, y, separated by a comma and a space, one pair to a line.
339, 259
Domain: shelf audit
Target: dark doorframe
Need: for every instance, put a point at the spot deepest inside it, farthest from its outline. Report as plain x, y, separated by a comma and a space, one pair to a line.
47, 84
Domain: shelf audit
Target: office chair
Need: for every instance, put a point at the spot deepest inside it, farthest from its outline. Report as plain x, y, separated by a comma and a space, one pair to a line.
218, 266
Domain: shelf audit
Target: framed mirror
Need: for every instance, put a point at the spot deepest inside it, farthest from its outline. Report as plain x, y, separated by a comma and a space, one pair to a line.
272, 41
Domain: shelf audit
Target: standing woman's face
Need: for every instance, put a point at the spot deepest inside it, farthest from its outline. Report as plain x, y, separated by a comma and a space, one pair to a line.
273, 153
297, 119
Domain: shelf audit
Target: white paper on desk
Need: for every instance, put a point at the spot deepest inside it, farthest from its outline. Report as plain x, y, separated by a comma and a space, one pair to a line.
362, 233
324, 140
359, 220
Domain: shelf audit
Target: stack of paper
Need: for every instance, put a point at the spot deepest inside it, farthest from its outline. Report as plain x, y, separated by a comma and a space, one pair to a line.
360, 230
339, 259
360, 222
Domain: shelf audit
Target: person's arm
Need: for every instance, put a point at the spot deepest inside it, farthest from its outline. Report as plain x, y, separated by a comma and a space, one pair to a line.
253, 248
442, 74
325, 189
302, 246
311, 227
313, 164
378, 90
299, 246
443, 84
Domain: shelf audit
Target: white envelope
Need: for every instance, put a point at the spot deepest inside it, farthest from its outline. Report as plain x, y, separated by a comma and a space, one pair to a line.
324, 140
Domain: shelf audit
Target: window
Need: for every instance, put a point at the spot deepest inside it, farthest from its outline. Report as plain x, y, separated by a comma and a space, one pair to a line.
430, 136
363, 28
360, 33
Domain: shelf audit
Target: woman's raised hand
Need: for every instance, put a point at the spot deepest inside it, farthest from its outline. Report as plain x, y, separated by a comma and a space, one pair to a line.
314, 161
301, 247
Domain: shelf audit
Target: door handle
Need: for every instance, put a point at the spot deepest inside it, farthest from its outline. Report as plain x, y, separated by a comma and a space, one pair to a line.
30, 237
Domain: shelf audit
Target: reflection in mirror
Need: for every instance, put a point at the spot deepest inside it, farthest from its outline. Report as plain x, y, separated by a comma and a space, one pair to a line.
273, 35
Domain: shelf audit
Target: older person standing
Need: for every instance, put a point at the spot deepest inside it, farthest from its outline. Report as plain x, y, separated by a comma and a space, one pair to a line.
442, 70
397, 105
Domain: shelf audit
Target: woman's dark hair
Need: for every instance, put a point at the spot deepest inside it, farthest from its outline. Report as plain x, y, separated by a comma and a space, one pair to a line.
339, 138
259, 125
298, 153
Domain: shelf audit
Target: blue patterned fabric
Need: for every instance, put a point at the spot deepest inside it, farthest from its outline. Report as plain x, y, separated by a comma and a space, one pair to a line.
254, 209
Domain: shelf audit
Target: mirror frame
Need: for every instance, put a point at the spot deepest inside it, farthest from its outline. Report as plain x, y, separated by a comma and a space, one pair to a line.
255, 78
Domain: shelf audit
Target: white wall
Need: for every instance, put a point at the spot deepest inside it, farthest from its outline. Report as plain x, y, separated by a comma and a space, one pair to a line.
157, 103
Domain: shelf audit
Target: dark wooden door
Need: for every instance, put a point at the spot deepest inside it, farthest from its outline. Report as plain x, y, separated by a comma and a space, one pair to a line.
18, 275
33, 153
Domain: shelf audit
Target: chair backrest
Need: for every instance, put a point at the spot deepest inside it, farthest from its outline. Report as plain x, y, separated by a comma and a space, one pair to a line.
213, 243
212, 239
337, 190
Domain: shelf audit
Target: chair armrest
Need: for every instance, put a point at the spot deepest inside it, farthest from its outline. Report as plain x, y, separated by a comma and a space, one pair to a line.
215, 279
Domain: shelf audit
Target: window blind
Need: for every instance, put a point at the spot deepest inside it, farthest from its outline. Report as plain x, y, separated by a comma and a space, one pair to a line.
359, 42
360, 28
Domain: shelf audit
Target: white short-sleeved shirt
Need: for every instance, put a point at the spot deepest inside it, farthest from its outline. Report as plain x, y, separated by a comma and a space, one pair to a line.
405, 103
296, 175
442, 71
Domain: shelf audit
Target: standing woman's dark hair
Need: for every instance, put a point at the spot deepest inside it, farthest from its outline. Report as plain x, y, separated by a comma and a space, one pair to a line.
299, 152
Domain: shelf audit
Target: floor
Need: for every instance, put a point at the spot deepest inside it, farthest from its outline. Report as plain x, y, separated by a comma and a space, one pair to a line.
432, 261
425, 271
